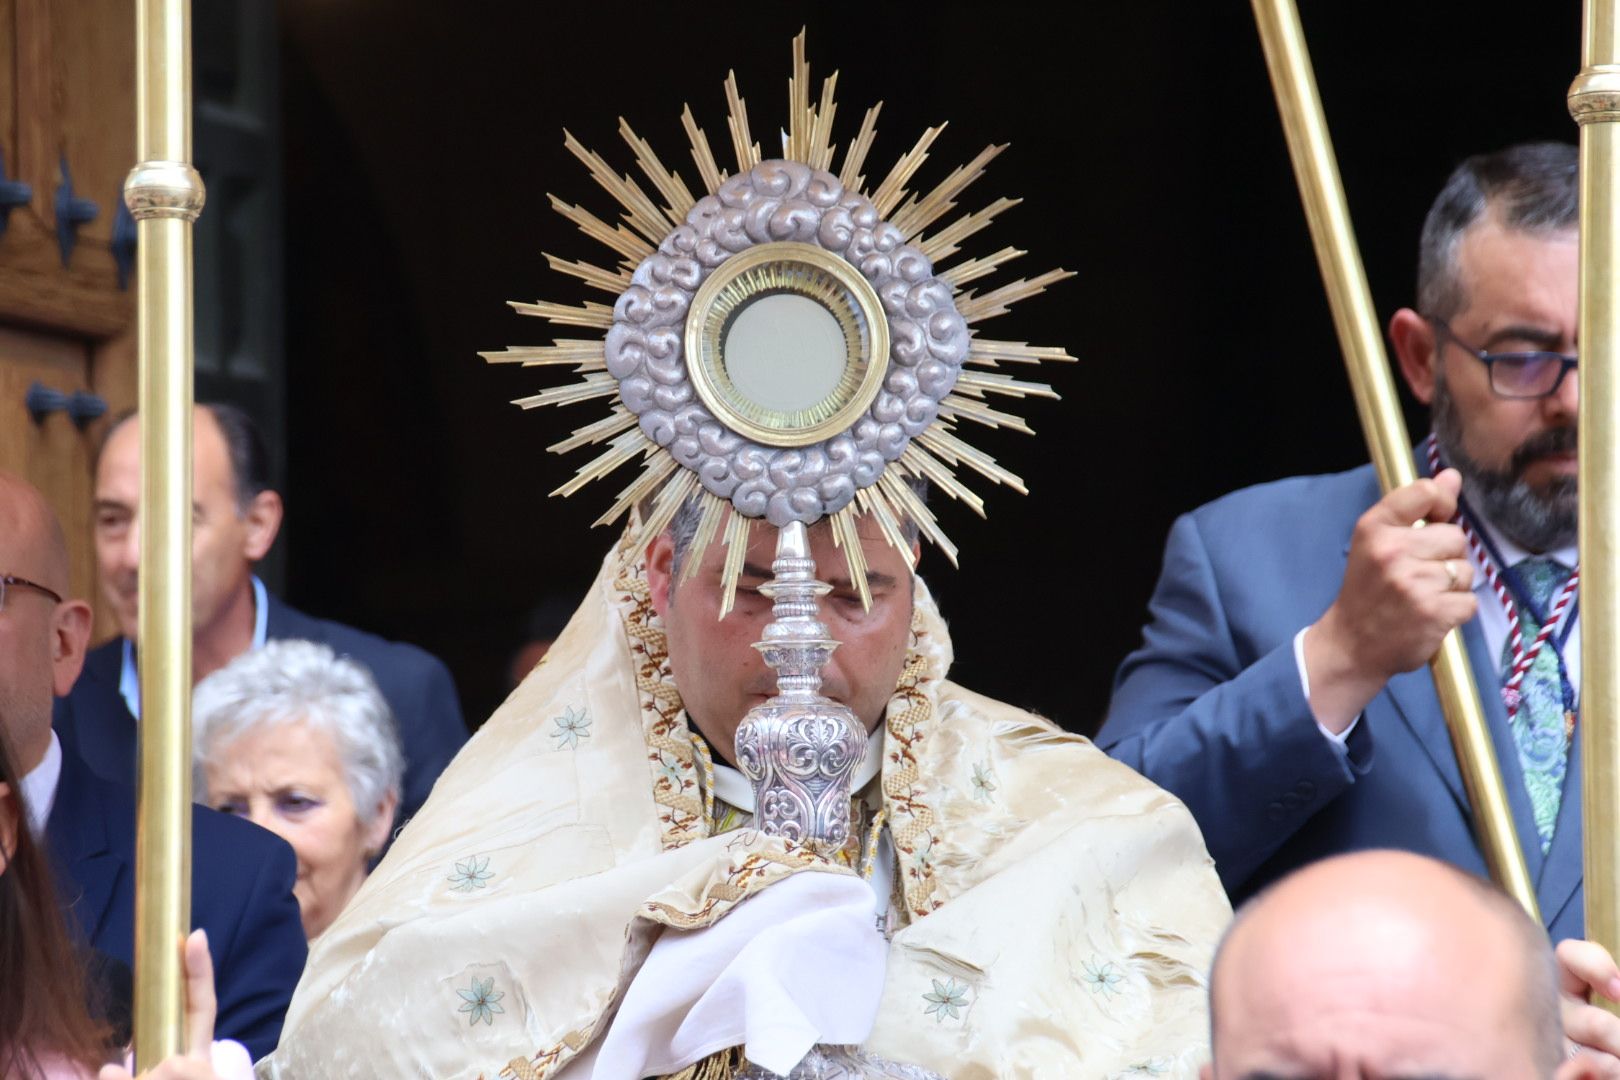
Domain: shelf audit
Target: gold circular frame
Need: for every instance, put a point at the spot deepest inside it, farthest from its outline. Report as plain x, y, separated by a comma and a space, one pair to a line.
802, 270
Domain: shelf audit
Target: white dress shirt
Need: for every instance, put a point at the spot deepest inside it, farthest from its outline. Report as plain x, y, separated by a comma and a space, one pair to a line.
39, 787
129, 679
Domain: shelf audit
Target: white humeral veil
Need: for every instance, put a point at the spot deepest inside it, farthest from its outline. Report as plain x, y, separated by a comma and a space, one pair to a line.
1053, 914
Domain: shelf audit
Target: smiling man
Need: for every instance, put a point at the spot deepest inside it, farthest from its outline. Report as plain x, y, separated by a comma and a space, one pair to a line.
236, 517
1280, 689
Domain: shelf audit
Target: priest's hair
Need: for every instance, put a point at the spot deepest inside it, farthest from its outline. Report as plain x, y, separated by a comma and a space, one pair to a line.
683, 526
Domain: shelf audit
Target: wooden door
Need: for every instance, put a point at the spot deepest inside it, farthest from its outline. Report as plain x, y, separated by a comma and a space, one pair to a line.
67, 131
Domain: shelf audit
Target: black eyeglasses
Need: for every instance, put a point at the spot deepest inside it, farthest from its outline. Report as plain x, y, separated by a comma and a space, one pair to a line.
1522, 375
10, 581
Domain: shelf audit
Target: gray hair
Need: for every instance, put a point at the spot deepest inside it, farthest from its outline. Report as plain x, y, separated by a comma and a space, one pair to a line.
1532, 186
683, 526
290, 682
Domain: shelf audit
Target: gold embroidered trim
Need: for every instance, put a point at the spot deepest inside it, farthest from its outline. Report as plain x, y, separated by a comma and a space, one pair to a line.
707, 759
873, 833
547, 1062
520, 1069
756, 870
669, 745
721, 1066
904, 793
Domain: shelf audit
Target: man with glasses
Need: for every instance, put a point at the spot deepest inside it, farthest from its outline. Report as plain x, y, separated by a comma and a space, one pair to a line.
1281, 688
242, 876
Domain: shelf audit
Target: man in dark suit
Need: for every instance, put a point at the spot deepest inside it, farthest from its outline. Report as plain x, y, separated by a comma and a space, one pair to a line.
242, 876
1280, 690
237, 517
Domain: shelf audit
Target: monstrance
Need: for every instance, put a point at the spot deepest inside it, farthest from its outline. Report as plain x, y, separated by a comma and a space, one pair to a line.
786, 347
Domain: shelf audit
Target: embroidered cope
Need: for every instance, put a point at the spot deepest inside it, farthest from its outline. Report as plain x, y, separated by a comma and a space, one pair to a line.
1052, 913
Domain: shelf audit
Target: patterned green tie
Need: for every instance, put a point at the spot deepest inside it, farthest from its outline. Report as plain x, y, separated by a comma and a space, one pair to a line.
1540, 727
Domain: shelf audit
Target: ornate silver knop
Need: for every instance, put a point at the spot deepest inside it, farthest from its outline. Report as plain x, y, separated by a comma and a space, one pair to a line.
799, 749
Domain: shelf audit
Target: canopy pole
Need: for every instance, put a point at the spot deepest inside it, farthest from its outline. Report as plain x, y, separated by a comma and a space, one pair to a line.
1362, 342
1594, 102
165, 195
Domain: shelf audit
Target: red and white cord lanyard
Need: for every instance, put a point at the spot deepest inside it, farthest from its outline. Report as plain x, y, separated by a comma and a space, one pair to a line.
1522, 657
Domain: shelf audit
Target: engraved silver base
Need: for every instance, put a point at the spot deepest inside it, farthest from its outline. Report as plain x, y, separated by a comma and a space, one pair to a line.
799, 749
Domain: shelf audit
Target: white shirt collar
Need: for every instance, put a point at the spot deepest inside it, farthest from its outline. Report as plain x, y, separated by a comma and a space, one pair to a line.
129, 679
733, 788
39, 787
1512, 554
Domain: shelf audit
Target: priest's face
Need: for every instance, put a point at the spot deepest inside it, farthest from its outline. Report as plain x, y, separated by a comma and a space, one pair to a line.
718, 671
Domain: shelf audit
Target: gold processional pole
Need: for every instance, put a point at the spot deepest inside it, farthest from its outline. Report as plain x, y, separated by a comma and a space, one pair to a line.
165, 195
1594, 102
1361, 339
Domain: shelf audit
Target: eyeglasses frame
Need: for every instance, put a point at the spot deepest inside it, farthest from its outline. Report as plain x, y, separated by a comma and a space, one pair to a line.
7, 581
1489, 359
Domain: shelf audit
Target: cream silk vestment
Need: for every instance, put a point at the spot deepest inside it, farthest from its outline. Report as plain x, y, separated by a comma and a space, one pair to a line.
1053, 913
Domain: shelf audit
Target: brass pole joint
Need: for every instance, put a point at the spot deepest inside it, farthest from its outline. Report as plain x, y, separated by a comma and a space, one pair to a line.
164, 189
1594, 96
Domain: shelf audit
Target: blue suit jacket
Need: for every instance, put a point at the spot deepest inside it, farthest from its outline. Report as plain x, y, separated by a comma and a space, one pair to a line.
1211, 708
241, 893
94, 721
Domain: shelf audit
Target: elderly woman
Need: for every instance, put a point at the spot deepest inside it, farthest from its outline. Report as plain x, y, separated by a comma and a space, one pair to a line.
301, 742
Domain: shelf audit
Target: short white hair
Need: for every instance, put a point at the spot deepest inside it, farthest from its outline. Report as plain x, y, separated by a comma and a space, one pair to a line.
292, 682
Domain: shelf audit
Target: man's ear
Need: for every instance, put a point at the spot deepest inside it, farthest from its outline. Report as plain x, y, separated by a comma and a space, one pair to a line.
70, 637
1206, 1071
660, 570
1416, 350
263, 519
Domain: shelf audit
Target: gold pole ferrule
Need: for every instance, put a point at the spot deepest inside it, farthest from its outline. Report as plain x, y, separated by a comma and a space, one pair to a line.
164, 189
1361, 339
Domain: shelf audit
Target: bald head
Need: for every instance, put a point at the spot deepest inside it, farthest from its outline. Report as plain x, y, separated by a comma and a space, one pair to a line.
1384, 964
32, 544
42, 641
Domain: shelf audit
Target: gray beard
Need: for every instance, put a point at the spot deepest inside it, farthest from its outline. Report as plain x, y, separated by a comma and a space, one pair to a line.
1537, 521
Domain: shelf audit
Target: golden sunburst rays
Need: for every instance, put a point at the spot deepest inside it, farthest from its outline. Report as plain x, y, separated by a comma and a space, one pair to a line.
928, 219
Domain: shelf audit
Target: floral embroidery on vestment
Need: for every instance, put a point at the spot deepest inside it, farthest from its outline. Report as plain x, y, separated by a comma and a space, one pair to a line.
947, 999
471, 874
481, 1000
984, 782
571, 728
1102, 977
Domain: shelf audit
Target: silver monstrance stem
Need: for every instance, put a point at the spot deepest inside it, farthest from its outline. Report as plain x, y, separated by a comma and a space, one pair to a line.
799, 749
